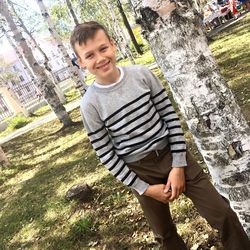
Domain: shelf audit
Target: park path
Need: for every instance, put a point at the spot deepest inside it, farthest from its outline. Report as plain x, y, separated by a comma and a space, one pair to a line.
46, 118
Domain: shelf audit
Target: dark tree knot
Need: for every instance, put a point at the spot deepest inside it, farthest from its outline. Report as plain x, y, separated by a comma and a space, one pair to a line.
235, 150
148, 19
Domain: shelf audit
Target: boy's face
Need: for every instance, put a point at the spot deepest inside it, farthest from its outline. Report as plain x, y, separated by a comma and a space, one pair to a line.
97, 55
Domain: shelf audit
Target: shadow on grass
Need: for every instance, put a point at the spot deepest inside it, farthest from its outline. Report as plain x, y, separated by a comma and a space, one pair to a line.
26, 200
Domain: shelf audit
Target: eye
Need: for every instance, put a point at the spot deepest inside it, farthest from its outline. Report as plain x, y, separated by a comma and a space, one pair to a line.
104, 49
89, 56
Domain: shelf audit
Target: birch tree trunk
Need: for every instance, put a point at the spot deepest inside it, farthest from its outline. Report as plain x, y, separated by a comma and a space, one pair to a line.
72, 12
46, 59
80, 85
44, 84
26, 68
19, 55
212, 114
128, 27
122, 37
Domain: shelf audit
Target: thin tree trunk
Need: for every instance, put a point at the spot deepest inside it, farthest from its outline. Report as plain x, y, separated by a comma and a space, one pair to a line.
70, 7
44, 84
80, 85
119, 31
128, 27
212, 114
25, 66
19, 55
116, 39
46, 59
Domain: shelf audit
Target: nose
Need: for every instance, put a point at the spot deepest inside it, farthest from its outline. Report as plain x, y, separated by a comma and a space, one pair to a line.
99, 57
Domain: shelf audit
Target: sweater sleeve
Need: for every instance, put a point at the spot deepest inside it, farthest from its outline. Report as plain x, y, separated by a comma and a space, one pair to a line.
101, 142
168, 114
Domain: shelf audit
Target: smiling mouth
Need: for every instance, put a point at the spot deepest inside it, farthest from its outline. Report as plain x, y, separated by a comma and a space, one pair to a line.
103, 65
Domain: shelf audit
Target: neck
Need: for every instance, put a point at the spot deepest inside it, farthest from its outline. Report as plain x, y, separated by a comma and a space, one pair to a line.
112, 78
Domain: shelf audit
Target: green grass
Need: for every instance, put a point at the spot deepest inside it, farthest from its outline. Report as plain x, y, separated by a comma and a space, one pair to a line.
46, 162
231, 50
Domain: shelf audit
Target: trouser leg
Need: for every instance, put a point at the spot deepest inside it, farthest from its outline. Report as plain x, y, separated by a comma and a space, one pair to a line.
155, 171
160, 221
214, 208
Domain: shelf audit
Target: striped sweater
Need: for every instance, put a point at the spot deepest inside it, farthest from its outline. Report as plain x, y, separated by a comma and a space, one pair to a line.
128, 120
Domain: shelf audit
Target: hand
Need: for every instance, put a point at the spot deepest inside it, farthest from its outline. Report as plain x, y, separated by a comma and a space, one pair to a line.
175, 183
157, 192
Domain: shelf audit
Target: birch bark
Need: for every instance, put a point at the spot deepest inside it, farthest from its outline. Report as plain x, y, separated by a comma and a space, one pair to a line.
121, 36
72, 12
208, 105
44, 84
128, 27
26, 68
46, 59
19, 55
80, 85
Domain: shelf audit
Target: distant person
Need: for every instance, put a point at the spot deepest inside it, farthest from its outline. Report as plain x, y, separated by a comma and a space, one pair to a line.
81, 72
245, 4
137, 135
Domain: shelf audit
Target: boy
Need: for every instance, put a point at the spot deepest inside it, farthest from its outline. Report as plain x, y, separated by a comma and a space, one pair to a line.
137, 136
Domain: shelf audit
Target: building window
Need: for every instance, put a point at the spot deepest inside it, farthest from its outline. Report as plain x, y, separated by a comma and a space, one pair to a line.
13, 82
21, 78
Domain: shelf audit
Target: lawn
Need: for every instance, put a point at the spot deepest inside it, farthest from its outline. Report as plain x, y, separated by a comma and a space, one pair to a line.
46, 162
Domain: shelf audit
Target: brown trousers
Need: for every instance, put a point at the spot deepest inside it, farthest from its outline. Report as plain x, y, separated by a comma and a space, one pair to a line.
154, 169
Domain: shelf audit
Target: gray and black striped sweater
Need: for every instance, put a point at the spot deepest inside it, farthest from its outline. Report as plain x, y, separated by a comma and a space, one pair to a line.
128, 120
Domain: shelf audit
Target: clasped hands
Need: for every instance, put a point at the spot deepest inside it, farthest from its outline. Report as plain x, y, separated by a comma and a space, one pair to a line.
172, 190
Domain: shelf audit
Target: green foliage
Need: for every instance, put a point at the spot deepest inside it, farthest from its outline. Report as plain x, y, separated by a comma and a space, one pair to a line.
72, 95
6, 74
42, 111
138, 36
83, 227
63, 22
18, 122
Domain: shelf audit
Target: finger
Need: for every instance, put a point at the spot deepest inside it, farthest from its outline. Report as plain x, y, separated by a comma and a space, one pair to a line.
167, 187
173, 195
183, 189
179, 191
177, 194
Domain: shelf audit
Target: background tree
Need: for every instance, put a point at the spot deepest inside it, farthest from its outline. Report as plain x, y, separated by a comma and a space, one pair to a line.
91, 10
128, 27
6, 75
18, 53
44, 84
122, 40
212, 114
72, 12
35, 45
80, 85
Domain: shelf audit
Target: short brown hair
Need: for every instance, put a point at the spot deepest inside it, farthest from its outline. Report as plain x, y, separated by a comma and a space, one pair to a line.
82, 32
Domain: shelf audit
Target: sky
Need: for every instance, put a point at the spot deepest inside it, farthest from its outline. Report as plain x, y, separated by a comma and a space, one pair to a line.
27, 5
